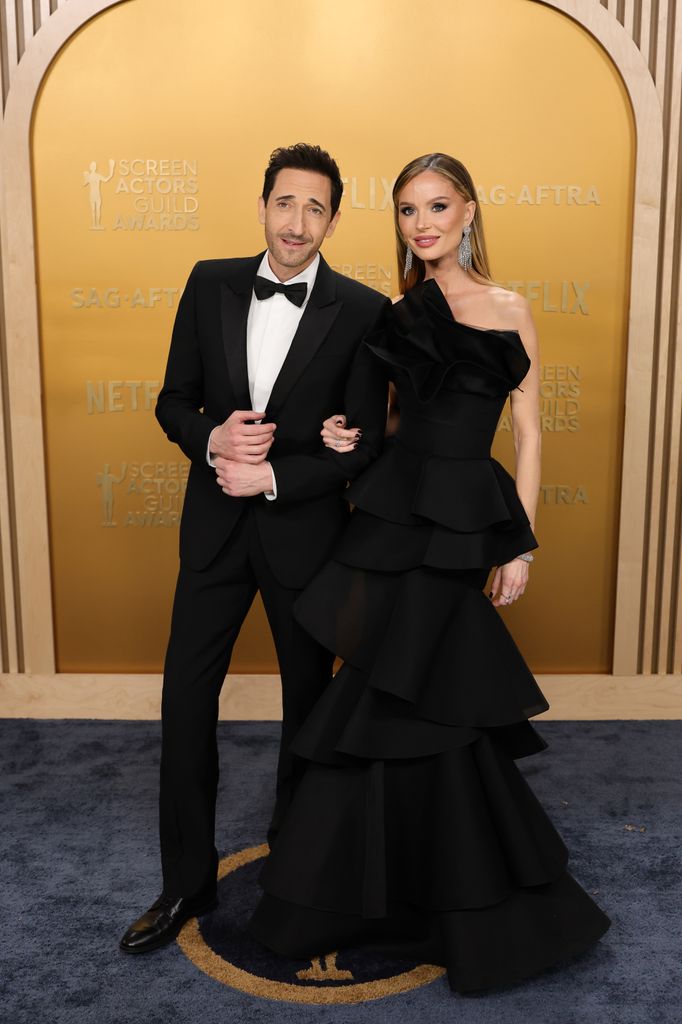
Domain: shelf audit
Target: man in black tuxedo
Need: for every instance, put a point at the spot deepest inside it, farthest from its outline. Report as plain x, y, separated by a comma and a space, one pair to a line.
263, 350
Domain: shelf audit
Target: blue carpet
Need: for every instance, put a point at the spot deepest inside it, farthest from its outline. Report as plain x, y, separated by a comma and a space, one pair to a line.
79, 860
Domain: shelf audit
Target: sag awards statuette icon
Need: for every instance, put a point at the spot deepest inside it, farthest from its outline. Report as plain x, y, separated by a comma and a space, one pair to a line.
220, 945
106, 481
94, 180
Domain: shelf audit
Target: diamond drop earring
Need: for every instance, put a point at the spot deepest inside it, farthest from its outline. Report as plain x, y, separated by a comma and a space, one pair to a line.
408, 262
464, 251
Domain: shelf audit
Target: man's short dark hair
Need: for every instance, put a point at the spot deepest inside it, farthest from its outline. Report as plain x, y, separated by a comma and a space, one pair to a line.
303, 157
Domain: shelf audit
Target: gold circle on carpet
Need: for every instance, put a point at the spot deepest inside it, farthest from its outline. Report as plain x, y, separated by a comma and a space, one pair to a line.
194, 946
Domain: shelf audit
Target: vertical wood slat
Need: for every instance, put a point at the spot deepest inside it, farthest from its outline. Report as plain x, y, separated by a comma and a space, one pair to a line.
648, 641
673, 410
10, 36
659, 28
674, 538
45, 12
8, 622
675, 646
645, 29
658, 472
637, 22
21, 35
30, 27
10, 57
629, 17
4, 70
655, 506
653, 37
9, 655
25, 28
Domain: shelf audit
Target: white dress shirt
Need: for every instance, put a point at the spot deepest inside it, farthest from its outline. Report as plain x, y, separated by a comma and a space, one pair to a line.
270, 329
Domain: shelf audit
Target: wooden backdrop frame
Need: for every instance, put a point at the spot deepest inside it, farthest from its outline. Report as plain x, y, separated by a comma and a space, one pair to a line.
644, 40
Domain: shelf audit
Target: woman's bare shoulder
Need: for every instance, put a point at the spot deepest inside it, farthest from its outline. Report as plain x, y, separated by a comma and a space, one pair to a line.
508, 306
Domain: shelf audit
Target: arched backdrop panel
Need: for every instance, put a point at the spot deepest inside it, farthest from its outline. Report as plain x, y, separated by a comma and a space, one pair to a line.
108, 283
126, 203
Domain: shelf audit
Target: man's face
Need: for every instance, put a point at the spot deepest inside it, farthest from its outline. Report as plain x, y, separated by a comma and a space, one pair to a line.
297, 219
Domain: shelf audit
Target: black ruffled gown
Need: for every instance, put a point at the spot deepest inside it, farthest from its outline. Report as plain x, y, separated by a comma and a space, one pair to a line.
412, 831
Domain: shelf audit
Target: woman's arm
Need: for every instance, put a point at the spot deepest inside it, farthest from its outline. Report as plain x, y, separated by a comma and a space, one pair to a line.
525, 402
393, 420
509, 581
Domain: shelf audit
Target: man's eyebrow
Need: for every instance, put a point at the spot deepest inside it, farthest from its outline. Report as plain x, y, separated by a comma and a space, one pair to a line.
315, 202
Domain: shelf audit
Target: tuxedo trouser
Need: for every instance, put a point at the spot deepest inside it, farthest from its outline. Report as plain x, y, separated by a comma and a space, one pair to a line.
208, 611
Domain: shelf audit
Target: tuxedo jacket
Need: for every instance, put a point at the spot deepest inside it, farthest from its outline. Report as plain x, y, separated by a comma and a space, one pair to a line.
327, 370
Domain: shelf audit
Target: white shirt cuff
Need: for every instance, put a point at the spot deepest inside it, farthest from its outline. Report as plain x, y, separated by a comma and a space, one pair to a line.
271, 495
208, 449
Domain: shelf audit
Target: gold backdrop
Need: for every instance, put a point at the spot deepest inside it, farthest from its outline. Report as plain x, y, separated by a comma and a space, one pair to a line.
150, 137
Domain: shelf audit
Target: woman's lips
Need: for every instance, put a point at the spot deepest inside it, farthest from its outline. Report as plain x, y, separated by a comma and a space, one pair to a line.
426, 241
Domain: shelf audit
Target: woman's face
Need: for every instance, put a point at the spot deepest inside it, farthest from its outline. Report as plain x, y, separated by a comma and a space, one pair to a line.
432, 215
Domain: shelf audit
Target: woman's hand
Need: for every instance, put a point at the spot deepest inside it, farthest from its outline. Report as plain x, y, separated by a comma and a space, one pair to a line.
509, 582
337, 437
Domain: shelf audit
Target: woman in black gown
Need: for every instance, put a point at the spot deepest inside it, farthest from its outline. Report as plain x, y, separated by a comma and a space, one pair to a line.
412, 830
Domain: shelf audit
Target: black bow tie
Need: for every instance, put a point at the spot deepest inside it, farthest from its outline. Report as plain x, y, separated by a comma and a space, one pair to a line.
296, 293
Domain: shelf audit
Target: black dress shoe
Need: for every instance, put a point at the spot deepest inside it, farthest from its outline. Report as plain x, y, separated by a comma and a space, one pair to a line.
164, 919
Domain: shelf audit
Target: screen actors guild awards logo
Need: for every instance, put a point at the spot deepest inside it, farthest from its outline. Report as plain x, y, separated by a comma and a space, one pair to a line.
146, 194
220, 945
94, 180
323, 968
106, 481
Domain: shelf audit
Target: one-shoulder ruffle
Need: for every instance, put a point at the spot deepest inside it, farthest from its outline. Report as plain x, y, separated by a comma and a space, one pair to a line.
423, 339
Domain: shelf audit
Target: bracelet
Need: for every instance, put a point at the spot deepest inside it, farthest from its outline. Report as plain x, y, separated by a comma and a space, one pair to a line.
527, 557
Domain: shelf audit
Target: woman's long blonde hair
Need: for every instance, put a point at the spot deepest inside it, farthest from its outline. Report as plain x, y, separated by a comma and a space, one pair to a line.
459, 177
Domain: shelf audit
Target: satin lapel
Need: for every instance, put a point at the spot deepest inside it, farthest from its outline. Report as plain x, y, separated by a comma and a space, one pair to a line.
316, 322
235, 301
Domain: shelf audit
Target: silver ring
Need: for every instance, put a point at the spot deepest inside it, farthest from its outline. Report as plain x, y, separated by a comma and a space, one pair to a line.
338, 442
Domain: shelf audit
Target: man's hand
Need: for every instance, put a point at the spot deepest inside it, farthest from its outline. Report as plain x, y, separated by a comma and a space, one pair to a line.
240, 480
240, 440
